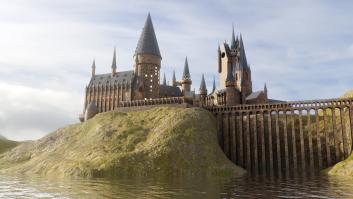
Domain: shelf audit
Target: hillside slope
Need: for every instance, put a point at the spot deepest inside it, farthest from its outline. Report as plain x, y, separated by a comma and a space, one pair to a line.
166, 141
6, 145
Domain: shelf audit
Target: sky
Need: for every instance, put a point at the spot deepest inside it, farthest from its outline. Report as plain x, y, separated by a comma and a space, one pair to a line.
302, 49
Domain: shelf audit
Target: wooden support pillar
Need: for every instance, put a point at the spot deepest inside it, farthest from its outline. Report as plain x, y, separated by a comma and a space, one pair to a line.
344, 135
255, 151
234, 145
263, 147
278, 146
247, 136
285, 135
270, 146
310, 141
327, 141
294, 144
225, 121
302, 149
337, 147
318, 139
241, 140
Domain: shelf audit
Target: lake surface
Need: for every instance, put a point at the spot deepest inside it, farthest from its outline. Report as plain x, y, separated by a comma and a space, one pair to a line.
242, 187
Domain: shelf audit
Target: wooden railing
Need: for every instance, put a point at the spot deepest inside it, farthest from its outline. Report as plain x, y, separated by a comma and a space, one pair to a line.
280, 138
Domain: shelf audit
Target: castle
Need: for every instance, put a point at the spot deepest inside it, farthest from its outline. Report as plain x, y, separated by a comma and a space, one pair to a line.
106, 92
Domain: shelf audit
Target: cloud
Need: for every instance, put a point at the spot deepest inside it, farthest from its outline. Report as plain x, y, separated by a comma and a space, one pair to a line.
29, 113
302, 49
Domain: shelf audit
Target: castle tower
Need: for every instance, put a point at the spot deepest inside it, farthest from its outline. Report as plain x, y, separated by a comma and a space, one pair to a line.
94, 68
232, 94
186, 79
174, 82
114, 63
235, 56
148, 60
203, 90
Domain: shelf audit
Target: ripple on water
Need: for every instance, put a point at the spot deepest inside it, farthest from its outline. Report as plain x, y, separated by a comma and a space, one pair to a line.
244, 187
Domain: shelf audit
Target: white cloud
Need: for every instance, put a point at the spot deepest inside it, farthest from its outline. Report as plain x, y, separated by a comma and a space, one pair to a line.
302, 49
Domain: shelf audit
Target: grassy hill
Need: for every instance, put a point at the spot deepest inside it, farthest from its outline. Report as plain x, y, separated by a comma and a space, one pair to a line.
6, 145
165, 141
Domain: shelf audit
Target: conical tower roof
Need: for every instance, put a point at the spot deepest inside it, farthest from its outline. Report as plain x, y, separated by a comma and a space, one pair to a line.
148, 41
94, 63
114, 59
164, 80
214, 85
233, 39
186, 73
203, 84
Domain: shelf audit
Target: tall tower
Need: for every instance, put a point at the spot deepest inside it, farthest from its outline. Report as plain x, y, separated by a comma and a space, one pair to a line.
233, 57
186, 79
148, 60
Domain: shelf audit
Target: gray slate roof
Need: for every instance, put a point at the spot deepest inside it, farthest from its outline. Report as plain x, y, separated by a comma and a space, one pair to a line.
203, 84
119, 78
254, 95
148, 40
166, 90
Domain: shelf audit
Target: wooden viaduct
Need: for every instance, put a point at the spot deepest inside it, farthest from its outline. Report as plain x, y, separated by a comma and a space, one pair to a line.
280, 139
303, 136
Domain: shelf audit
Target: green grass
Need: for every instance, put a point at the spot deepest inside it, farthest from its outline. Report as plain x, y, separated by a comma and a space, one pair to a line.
159, 141
6, 145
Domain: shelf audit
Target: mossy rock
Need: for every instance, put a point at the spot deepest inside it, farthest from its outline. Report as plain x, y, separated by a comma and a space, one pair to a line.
159, 141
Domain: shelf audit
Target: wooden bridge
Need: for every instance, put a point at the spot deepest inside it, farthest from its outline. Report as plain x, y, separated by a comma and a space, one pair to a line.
304, 136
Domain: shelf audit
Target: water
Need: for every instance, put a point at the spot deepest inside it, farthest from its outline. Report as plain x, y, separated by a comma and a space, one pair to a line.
242, 187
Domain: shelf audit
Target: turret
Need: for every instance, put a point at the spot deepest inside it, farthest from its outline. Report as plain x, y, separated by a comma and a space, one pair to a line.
214, 85
174, 82
94, 68
148, 60
265, 90
114, 63
186, 79
164, 80
203, 90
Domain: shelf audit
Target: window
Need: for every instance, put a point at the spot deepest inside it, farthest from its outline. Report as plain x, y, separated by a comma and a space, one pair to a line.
223, 54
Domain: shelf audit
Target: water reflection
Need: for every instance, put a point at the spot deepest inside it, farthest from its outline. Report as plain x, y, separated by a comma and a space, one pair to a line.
191, 187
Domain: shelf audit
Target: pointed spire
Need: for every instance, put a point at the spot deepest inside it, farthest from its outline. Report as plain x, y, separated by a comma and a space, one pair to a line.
147, 43
186, 73
114, 63
114, 59
203, 84
214, 85
164, 80
233, 39
265, 89
174, 79
94, 68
